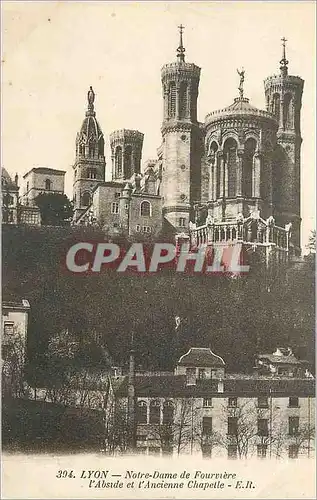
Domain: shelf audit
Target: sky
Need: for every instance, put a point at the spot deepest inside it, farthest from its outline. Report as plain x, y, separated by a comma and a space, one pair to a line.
53, 51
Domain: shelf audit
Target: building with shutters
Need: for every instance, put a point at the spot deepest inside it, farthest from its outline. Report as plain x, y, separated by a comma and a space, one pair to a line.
201, 409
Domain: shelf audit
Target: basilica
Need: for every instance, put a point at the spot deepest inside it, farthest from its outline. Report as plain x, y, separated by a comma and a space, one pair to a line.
241, 165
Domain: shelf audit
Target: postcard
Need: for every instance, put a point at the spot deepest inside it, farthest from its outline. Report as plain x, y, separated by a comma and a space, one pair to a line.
158, 249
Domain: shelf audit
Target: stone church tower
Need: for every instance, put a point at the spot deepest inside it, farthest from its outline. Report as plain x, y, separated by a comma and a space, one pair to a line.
181, 135
126, 153
283, 94
89, 166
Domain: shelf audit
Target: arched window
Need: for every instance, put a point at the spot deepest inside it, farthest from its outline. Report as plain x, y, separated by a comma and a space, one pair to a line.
172, 100
85, 199
230, 152
183, 100
287, 111
118, 161
155, 412
142, 412
101, 146
146, 209
48, 184
127, 162
216, 163
168, 412
276, 106
82, 149
247, 168
91, 148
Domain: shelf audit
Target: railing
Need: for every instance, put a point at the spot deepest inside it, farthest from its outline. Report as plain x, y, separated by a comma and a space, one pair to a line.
240, 232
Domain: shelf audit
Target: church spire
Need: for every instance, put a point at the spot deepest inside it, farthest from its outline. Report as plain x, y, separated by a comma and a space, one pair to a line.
284, 61
181, 48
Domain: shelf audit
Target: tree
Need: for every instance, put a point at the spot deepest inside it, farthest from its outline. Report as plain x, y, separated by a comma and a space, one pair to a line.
311, 245
56, 209
13, 366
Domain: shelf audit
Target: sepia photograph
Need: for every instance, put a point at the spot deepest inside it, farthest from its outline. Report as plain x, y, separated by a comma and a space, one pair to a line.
158, 249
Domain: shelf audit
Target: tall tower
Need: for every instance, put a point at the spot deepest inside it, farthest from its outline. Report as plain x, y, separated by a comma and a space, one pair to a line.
126, 153
181, 135
283, 94
90, 164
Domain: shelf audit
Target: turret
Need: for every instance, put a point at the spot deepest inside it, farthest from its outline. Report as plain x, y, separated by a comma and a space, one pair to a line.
181, 139
283, 95
89, 166
126, 153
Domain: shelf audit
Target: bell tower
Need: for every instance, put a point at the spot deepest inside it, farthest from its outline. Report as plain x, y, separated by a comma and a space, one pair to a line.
283, 95
181, 136
90, 164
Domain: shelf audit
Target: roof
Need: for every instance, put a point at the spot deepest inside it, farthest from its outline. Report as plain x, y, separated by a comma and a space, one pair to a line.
174, 386
91, 128
241, 107
45, 170
16, 304
285, 360
201, 356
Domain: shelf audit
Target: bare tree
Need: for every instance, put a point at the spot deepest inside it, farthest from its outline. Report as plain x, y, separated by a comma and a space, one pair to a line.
13, 365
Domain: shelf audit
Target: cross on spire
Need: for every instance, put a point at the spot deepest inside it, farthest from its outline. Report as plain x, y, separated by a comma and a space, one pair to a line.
181, 49
284, 61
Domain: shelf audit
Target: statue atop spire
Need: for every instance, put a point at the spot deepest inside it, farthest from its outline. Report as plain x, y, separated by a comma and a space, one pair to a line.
181, 49
91, 99
284, 61
240, 88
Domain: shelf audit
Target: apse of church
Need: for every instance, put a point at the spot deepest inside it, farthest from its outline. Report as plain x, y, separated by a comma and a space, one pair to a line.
241, 162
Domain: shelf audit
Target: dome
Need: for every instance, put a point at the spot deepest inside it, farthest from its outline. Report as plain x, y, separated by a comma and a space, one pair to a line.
6, 180
91, 128
241, 108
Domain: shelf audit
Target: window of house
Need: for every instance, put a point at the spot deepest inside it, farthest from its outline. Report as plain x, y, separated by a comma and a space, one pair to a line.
168, 412
154, 450
142, 412
232, 451
138, 228
146, 209
207, 426
115, 207
117, 195
48, 184
261, 450
293, 425
8, 328
182, 222
263, 402
293, 451
167, 450
263, 429
207, 402
232, 426
115, 224
293, 402
142, 450
155, 412
206, 450
146, 229
232, 402
201, 373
